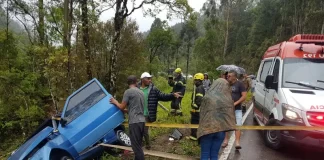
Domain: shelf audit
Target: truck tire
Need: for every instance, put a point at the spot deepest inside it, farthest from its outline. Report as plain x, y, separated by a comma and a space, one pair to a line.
123, 138
272, 138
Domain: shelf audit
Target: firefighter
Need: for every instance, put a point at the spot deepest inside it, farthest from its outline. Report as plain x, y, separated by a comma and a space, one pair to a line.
179, 85
197, 96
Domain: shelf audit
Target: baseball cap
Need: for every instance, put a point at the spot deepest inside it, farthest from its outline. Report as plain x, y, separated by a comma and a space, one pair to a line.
145, 75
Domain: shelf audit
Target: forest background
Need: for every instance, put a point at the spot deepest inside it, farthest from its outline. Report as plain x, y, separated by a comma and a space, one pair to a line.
49, 49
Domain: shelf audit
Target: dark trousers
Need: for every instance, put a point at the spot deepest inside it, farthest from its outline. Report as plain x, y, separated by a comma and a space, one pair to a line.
176, 103
194, 120
146, 136
136, 132
146, 133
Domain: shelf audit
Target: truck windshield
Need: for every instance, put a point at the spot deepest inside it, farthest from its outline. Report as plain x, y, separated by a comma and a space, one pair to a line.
303, 71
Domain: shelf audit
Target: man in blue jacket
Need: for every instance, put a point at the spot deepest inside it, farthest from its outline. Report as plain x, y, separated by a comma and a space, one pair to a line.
151, 97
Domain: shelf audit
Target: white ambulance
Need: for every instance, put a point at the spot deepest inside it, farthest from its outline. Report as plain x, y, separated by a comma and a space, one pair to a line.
289, 90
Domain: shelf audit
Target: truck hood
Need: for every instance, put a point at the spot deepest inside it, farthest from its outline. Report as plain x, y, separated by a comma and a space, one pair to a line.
306, 100
28, 146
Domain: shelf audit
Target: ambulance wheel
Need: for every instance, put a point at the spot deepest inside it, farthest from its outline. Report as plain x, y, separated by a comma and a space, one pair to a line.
272, 138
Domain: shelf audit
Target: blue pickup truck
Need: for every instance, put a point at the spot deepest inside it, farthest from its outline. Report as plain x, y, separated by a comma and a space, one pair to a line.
87, 120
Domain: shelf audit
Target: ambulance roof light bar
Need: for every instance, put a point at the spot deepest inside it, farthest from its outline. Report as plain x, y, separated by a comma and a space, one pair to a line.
317, 39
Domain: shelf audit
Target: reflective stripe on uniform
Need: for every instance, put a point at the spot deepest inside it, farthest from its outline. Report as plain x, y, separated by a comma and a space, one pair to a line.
194, 105
179, 111
179, 82
194, 93
199, 95
195, 110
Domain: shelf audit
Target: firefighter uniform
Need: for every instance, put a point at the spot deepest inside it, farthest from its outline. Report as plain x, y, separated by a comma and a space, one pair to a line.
179, 85
197, 96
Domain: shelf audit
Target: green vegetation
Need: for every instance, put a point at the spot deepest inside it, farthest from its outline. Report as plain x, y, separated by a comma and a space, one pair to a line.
49, 49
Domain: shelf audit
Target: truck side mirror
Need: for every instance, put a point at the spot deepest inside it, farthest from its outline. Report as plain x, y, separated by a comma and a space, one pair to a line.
269, 82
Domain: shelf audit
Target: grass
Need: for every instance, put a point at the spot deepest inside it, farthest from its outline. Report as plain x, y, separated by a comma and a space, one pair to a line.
163, 117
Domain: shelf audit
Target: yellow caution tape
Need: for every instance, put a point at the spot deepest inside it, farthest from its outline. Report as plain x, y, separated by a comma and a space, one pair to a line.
305, 128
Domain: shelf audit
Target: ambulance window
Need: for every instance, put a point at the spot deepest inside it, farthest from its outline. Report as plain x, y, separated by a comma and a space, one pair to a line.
265, 70
276, 71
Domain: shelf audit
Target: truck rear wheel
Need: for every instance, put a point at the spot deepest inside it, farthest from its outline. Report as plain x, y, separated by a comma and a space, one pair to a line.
272, 138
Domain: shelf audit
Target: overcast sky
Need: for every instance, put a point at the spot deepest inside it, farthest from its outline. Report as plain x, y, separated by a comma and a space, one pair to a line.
145, 22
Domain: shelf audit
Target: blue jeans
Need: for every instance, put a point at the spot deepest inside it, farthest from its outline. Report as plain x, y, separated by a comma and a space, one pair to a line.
210, 145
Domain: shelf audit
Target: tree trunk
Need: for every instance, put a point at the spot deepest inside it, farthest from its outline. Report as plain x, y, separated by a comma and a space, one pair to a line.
70, 61
150, 61
41, 28
176, 58
66, 43
227, 30
188, 56
7, 36
85, 35
118, 25
113, 63
295, 19
7, 21
168, 61
77, 39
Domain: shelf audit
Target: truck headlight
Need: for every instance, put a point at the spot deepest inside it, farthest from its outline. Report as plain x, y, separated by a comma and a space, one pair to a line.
291, 113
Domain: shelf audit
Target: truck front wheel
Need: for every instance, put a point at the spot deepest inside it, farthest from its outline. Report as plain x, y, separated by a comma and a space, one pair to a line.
123, 138
272, 138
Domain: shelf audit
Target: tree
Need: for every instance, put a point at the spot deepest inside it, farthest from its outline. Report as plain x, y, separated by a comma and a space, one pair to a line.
188, 34
122, 12
85, 37
159, 37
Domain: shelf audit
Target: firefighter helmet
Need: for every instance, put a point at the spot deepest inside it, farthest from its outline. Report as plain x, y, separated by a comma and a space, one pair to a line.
199, 76
178, 70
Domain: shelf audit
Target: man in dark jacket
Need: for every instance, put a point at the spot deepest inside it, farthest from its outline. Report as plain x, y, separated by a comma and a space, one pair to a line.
179, 85
151, 97
197, 96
